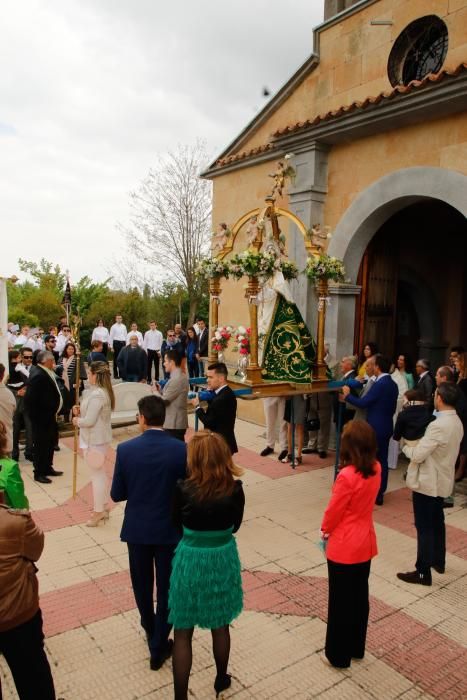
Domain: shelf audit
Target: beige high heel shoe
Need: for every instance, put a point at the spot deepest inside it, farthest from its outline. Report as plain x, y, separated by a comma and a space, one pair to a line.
96, 518
106, 512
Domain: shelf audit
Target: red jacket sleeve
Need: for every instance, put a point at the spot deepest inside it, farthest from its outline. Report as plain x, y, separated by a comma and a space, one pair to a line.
340, 498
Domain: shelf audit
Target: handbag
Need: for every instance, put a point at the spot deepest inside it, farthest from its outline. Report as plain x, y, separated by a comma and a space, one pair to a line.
312, 423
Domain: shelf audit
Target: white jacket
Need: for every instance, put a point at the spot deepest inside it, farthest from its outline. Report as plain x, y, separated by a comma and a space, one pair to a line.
94, 421
432, 460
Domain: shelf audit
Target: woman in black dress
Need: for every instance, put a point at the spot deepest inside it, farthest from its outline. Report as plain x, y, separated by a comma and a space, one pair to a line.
206, 586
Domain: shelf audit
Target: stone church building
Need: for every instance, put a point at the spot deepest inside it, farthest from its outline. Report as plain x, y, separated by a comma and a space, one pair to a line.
376, 118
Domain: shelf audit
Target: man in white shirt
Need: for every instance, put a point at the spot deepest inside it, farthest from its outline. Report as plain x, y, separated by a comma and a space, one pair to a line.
117, 341
22, 337
134, 331
63, 338
152, 344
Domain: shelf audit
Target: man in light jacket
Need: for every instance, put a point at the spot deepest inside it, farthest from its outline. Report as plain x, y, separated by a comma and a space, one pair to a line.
175, 396
431, 477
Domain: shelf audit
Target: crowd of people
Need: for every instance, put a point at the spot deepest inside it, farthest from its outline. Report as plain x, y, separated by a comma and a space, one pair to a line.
185, 501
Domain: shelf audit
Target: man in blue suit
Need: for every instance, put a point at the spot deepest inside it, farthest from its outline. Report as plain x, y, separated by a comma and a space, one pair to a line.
380, 404
146, 471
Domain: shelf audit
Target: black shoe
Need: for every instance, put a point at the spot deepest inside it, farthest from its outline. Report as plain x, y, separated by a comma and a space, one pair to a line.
53, 472
267, 451
379, 500
222, 683
448, 504
309, 451
322, 454
287, 458
439, 569
42, 479
29, 456
415, 577
156, 662
57, 448
282, 455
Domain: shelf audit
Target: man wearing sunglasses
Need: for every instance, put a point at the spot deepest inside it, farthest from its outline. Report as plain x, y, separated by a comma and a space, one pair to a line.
50, 343
21, 419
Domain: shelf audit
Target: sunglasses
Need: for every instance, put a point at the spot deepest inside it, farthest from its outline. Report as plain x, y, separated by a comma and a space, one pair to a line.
27, 357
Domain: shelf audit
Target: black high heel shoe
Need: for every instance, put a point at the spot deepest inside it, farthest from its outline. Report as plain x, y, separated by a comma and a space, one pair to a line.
222, 683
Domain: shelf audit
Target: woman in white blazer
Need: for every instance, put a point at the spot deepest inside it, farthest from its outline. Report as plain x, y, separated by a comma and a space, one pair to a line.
93, 418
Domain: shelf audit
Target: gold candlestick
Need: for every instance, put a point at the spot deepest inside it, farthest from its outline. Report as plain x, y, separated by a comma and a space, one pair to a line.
214, 292
319, 369
253, 371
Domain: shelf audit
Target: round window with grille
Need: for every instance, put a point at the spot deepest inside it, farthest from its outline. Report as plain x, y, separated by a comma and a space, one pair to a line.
419, 50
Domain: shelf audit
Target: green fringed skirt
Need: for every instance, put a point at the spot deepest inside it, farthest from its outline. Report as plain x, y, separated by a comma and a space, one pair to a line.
206, 584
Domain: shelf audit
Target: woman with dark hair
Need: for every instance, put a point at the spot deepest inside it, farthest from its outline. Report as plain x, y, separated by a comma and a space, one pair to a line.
206, 586
191, 350
66, 370
349, 536
369, 350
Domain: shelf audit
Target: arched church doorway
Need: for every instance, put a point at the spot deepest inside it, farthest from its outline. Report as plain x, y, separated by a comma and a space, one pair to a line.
413, 278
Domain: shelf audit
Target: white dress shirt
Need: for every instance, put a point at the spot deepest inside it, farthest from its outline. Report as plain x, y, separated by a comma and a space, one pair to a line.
100, 333
21, 339
117, 332
62, 340
139, 336
153, 340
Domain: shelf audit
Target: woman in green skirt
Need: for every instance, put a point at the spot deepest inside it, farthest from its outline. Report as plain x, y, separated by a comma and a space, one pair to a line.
206, 585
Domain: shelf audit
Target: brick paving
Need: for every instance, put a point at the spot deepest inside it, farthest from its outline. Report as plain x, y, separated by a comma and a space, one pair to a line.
416, 638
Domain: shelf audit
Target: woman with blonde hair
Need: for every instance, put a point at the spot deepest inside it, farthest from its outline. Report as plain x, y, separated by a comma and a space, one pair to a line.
206, 586
93, 418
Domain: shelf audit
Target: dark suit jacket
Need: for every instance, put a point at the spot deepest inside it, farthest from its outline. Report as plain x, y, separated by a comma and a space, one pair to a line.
146, 471
42, 399
220, 416
142, 360
380, 404
348, 412
427, 386
203, 343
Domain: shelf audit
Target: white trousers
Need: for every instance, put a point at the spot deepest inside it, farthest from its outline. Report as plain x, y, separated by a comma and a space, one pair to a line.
95, 459
274, 408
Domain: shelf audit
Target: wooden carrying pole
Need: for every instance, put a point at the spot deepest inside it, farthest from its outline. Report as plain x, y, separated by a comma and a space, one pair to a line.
77, 384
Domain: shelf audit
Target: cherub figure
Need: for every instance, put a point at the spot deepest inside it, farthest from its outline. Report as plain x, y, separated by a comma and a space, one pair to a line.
219, 238
318, 236
252, 231
282, 173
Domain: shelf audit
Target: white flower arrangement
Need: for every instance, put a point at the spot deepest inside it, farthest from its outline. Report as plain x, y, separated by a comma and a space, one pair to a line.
253, 264
210, 268
325, 267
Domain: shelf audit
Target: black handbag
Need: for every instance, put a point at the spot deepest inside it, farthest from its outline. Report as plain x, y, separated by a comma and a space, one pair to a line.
312, 423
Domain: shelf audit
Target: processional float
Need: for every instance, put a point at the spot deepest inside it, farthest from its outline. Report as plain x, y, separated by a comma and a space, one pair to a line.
264, 255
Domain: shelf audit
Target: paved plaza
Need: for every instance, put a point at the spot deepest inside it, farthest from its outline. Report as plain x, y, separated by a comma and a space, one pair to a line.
417, 636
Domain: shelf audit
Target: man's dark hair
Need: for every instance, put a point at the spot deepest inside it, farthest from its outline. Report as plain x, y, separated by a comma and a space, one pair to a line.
384, 363
219, 368
415, 395
458, 348
199, 319
152, 408
24, 350
446, 372
2, 371
448, 393
175, 357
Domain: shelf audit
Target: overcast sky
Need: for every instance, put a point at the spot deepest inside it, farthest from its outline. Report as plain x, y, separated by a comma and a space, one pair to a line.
92, 91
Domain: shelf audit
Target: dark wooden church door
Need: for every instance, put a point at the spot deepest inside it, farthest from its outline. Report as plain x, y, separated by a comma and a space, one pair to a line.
376, 306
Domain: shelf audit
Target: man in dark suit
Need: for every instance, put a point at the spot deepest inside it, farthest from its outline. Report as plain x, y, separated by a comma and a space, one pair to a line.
380, 404
203, 344
132, 362
425, 382
146, 471
222, 409
42, 402
348, 373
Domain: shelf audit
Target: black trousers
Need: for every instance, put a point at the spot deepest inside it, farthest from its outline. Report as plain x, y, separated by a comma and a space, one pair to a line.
153, 359
431, 531
23, 649
21, 420
348, 610
178, 433
45, 437
118, 346
143, 559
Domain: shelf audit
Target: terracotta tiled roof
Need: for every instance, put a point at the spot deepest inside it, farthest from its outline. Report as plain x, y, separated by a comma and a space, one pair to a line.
414, 86
244, 154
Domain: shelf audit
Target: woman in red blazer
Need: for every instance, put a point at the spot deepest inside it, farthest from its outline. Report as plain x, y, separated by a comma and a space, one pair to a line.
348, 531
